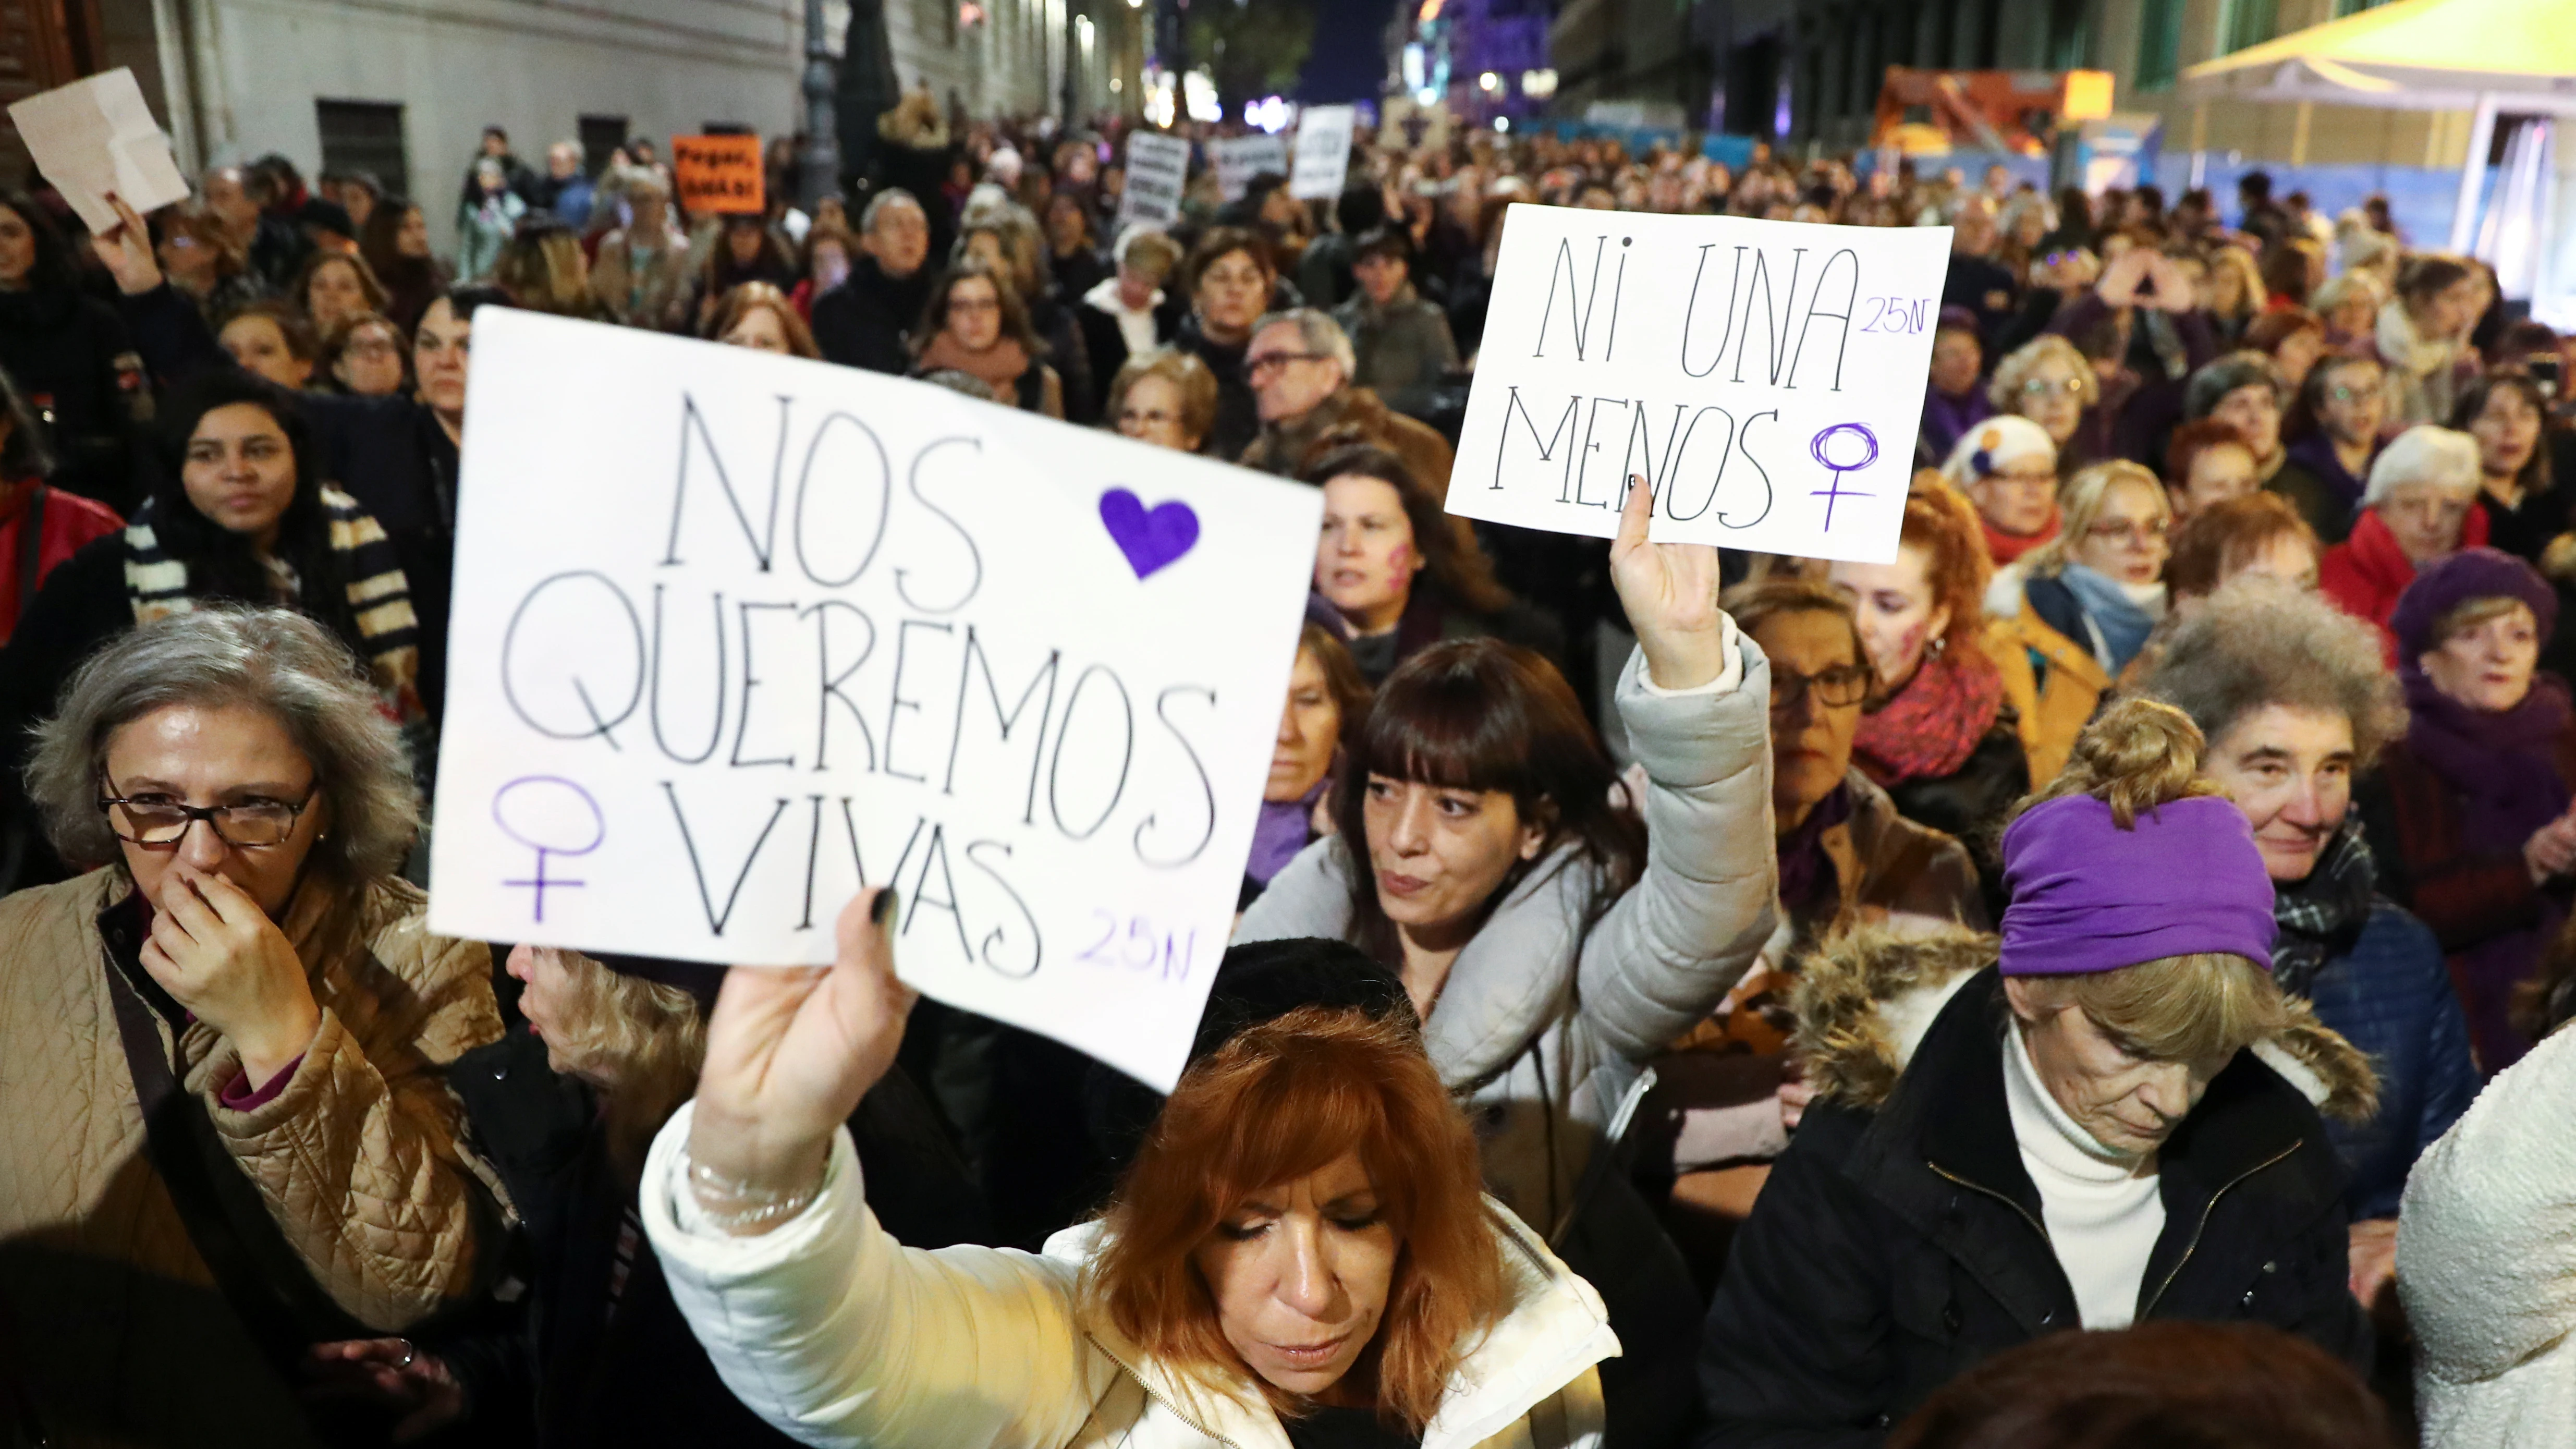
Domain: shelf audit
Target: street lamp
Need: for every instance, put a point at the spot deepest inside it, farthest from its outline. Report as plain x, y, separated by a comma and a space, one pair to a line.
822, 129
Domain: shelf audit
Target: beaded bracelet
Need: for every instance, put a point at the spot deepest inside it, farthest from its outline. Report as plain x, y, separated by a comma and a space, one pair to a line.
757, 1206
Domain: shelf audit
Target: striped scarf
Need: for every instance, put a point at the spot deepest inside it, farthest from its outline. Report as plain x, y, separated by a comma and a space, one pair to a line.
379, 598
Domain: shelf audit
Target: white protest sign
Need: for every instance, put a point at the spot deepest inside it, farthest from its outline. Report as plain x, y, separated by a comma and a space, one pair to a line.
1238, 159
1158, 166
1323, 152
736, 634
97, 136
1766, 376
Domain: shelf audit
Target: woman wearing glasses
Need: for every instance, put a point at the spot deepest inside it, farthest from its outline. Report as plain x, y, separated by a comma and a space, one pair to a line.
2101, 584
223, 1130
977, 324
1165, 397
368, 356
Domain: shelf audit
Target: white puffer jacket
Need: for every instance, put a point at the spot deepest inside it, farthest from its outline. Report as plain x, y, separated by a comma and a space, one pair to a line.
839, 1336
2486, 1262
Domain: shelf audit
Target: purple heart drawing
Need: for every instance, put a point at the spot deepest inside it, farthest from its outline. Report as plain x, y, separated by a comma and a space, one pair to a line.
1151, 538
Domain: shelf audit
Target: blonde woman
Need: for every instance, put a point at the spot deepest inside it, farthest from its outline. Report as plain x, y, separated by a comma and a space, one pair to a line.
2082, 606
565, 1110
2047, 381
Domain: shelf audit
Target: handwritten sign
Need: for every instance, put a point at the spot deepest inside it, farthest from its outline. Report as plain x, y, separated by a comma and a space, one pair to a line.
737, 634
96, 136
1323, 152
719, 175
1158, 166
1241, 158
1766, 376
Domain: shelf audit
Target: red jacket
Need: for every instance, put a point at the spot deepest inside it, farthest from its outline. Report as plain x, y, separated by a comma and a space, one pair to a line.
70, 521
2367, 572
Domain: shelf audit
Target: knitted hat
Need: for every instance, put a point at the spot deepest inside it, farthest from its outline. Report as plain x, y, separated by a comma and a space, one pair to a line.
2425, 454
2472, 573
2089, 896
1996, 444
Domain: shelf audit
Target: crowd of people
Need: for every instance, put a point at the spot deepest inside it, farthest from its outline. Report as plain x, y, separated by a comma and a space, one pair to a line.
1678, 998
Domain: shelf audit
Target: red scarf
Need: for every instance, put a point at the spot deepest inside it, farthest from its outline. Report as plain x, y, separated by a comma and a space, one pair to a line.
1934, 723
2005, 547
997, 367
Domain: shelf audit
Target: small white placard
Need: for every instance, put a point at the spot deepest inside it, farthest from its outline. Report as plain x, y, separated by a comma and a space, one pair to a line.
1323, 152
736, 634
1158, 166
1238, 159
1766, 376
96, 136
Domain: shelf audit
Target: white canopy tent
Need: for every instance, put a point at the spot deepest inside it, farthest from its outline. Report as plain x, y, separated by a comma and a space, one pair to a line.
2487, 57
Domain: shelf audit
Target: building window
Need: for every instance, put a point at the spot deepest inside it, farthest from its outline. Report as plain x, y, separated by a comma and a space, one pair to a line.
2246, 22
2159, 43
600, 138
365, 137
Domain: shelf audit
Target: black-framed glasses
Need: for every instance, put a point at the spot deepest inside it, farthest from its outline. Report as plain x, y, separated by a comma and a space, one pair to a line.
1840, 687
157, 823
1255, 366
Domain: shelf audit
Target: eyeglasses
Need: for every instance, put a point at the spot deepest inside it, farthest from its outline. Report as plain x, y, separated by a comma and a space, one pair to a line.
2126, 531
2344, 393
377, 350
1837, 688
2041, 387
1272, 361
156, 823
1140, 419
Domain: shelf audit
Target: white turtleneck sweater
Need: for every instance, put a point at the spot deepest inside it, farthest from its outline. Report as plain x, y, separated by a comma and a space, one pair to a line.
2102, 1209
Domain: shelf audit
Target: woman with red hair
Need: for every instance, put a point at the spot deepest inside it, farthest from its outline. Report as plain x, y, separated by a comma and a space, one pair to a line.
1299, 1250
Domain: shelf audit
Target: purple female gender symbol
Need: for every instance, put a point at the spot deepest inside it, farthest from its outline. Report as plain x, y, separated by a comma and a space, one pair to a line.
554, 841
1834, 489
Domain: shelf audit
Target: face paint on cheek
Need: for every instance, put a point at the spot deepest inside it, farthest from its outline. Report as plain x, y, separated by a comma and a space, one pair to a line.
1399, 564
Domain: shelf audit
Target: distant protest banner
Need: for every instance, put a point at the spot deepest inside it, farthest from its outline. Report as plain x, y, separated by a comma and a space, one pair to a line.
1323, 152
1158, 167
1767, 377
719, 175
1238, 159
737, 634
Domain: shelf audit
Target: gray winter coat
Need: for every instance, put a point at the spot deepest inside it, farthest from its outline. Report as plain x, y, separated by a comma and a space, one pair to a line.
1403, 349
1542, 1029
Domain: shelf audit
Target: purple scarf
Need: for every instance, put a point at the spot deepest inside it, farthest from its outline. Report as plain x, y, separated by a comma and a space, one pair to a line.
1803, 866
1281, 830
2505, 765
2316, 453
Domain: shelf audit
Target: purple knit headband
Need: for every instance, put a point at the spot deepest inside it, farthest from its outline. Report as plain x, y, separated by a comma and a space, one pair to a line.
2089, 896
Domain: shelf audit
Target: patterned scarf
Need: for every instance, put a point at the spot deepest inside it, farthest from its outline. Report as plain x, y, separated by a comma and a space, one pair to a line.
2321, 916
379, 598
998, 367
1934, 723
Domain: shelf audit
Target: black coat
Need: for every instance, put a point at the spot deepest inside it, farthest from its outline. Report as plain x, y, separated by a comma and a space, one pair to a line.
75, 364
609, 1366
1895, 1248
1238, 417
865, 321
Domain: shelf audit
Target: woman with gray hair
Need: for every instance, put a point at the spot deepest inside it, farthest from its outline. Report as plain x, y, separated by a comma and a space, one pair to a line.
2419, 506
226, 1133
2296, 702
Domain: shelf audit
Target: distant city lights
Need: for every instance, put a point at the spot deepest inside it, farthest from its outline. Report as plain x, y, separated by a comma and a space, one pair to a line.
1270, 113
1489, 83
1538, 85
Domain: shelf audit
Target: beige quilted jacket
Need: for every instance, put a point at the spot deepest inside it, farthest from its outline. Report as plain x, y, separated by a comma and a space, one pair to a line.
117, 1323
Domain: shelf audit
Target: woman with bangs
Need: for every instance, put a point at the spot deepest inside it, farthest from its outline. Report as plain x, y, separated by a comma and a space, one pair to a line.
1297, 1255
2109, 1116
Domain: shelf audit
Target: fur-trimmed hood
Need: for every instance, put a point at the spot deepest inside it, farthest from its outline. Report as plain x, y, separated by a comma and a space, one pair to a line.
1864, 1002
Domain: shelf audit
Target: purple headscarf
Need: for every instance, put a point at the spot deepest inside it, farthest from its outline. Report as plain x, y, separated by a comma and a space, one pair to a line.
2088, 896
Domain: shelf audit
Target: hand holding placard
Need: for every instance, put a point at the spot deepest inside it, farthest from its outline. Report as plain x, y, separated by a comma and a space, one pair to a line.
1669, 591
96, 137
1752, 371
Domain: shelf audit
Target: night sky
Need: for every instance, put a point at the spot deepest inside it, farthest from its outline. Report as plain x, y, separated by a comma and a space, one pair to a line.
1348, 61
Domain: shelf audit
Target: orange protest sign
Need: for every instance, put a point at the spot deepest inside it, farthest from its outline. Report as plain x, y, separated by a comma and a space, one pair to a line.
718, 174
